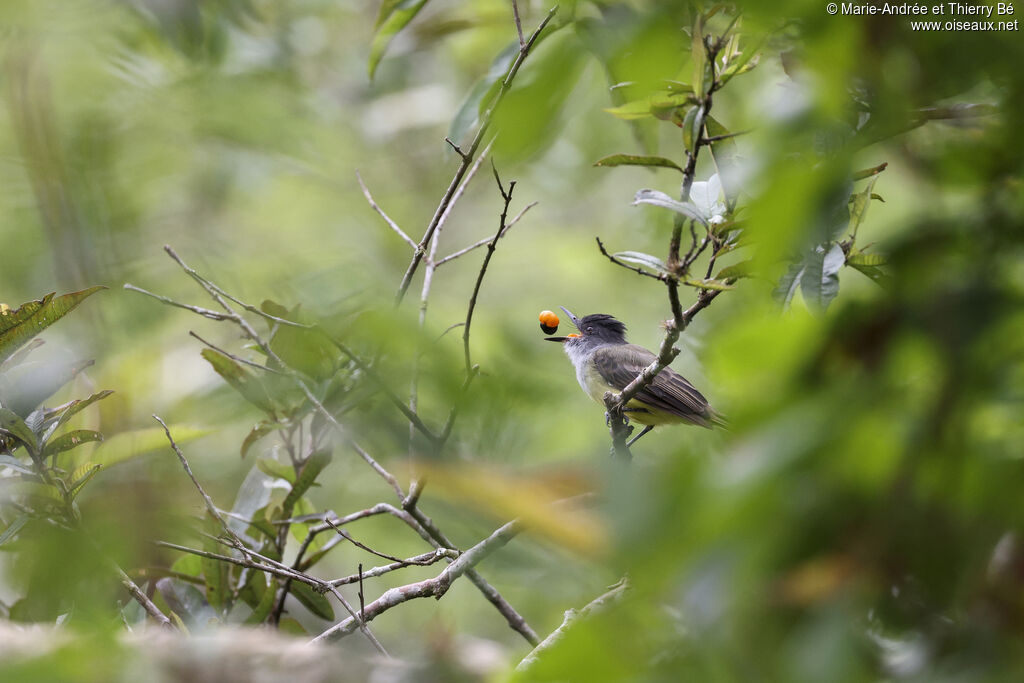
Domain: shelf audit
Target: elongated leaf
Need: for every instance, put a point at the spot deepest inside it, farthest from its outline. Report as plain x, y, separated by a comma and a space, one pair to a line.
655, 105
276, 469
81, 476
820, 280
313, 601
736, 270
216, 574
861, 202
879, 276
656, 198
724, 154
258, 431
11, 423
862, 259
310, 471
20, 355
788, 284
240, 379
65, 442
36, 491
15, 464
637, 160
15, 526
643, 260
483, 92
76, 407
400, 15
19, 327
262, 609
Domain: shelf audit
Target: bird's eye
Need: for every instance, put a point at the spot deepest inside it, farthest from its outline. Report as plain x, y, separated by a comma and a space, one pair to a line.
590, 329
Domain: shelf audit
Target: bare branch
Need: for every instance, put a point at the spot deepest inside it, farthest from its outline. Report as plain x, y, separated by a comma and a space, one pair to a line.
235, 358
205, 312
635, 269
485, 124
486, 240
519, 24
417, 561
387, 218
602, 601
435, 587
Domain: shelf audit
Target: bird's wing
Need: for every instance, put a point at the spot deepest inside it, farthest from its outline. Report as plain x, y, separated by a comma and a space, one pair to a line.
620, 365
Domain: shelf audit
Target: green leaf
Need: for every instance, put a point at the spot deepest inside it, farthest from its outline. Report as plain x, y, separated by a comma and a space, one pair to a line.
15, 464
127, 445
313, 601
188, 564
861, 259
736, 271
81, 476
11, 423
216, 574
262, 610
400, 14
34, 490
643, 260
637, 160
258, 431
15, 526
698, 56
240, 379
656, 198
655, 105
819, 282
861, 202
276, 469
66, 442
689, 132
482, 93
879, 276
310, 471
77, 406
19, 327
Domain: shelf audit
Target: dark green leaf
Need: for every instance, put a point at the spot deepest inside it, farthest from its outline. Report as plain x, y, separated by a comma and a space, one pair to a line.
65, 442
736, 271
276, 469
708, 284
216, 574
313, 601
12, 424
861, 202
19, 327
861, 259
75, 407
636, 160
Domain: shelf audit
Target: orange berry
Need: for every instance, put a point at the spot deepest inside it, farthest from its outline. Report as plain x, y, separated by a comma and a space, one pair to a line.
548, 322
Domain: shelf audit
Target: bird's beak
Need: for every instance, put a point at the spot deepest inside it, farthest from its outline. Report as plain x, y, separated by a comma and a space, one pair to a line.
575, 322
574, 319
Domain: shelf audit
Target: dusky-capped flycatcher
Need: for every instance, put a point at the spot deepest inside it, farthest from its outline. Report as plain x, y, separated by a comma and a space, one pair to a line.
605, 361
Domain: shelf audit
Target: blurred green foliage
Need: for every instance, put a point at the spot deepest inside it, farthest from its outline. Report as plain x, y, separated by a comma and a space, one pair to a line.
860, 519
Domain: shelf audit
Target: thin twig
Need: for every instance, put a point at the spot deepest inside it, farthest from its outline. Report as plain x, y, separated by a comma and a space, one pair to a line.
602, 601
435, 587
507, 197
485, 124
235, 358
205, 312
417, 561
635, 269
387, 218
519, 24
486, 240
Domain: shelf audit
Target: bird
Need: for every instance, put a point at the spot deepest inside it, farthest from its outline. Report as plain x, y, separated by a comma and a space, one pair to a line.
605, 361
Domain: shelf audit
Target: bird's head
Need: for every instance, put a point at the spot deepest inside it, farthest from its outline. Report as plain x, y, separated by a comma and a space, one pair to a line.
596, 329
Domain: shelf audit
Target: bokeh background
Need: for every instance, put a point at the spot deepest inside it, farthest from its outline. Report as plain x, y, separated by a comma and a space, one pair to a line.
861, 519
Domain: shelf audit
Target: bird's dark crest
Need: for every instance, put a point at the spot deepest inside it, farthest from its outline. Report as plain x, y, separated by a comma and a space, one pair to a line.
604, 321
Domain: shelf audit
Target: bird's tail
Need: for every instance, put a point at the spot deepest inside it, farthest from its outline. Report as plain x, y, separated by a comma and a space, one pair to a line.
717, 420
